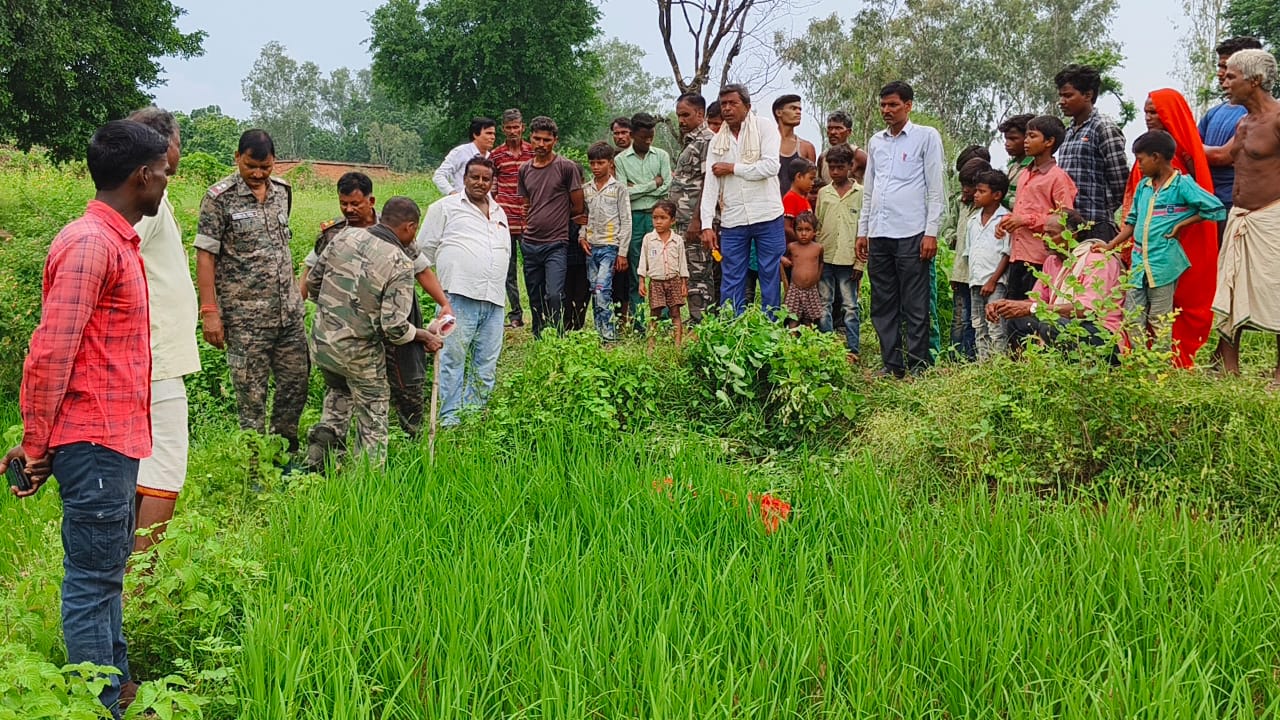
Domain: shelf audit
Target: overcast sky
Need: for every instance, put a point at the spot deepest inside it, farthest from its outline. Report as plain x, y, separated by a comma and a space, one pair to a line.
334, 34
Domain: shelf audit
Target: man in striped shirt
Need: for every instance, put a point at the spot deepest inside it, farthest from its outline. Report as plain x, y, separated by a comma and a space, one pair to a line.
507, 160
86, 389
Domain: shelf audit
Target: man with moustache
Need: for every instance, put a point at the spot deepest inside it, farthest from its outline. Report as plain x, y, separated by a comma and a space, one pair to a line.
741, 185
552, 190
248, 301
839, 127
356, 201
507, 159
898, 230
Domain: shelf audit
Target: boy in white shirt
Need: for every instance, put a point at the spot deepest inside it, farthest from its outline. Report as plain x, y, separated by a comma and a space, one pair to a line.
988, 259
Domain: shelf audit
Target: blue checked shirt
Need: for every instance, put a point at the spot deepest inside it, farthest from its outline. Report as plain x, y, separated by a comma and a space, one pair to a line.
1093, 155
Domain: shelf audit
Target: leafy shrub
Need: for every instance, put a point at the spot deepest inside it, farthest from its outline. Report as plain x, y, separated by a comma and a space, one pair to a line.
211, 395
31, 687
185, 605
36, 200
21, 267
788, 383
203, 168
577, 155
304, 177
574, 379
1050, 424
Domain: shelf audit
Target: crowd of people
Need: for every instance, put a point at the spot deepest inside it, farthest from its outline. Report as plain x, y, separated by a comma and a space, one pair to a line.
744, 210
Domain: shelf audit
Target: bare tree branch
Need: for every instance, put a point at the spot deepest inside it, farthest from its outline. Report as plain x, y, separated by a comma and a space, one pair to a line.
728, 30
664, 27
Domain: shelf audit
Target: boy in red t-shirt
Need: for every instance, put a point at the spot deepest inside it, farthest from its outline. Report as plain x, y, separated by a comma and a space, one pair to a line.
796, 200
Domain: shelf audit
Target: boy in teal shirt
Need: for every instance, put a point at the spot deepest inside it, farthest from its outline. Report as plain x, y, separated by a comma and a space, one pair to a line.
1166, 201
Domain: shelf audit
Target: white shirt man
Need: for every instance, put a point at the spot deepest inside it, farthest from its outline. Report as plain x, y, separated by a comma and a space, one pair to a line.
898, 230
449, 176
467, 241
742, 178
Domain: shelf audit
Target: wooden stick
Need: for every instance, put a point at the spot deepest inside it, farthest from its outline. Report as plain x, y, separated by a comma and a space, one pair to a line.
435, 399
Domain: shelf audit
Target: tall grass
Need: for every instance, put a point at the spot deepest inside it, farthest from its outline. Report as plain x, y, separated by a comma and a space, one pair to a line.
559, 583
544, 568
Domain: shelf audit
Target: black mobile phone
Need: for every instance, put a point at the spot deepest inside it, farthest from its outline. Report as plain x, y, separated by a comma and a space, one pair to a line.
18, 478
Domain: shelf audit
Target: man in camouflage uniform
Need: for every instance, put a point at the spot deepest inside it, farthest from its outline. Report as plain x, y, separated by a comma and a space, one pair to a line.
686, 192
248, 302
363, 288
355, 198
406, 364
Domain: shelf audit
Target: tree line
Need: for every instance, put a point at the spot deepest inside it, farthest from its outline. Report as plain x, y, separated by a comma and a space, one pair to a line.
437, 63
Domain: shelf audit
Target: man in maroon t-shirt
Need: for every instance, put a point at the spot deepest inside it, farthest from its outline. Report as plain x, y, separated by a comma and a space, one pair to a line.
552, 189
508, 158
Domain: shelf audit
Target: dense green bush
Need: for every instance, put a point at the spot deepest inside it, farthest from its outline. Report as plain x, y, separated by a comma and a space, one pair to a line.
203, 168
21, 267
36, 200
743, 378
768, 384
575, 379
1049, 424
32, 687
304, 177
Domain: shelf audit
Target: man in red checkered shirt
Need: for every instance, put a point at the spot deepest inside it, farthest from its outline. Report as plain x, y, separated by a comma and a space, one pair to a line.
86, 389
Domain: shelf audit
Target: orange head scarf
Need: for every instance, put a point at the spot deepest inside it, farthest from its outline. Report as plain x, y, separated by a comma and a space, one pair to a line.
1193, 297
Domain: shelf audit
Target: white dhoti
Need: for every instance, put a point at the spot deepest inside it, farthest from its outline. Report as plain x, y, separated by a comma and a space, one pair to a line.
1248, 293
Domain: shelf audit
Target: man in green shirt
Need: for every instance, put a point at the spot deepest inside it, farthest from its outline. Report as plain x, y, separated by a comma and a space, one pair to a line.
646, 172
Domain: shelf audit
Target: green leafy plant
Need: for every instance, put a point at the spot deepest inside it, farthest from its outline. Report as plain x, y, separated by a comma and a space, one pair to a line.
575, 379
32, 688
203, 168
168, 698
787, 383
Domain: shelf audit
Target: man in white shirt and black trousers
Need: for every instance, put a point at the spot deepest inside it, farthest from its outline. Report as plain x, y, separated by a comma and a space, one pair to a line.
898, 230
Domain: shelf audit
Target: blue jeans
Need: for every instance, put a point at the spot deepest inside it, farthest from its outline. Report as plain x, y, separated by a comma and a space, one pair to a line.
963, 334
477, 335
97, 487
600, 278
842, 281
735, 247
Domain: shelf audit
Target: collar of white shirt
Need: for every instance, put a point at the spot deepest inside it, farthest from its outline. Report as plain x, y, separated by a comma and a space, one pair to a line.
906, 130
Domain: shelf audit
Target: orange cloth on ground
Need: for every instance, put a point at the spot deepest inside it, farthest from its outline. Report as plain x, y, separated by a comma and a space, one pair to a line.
1193, 296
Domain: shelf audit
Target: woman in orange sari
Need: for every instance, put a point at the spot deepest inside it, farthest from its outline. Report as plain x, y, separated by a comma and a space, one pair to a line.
1167, 110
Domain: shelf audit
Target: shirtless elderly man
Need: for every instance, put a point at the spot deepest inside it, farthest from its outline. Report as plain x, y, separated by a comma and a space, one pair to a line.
1248, 293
